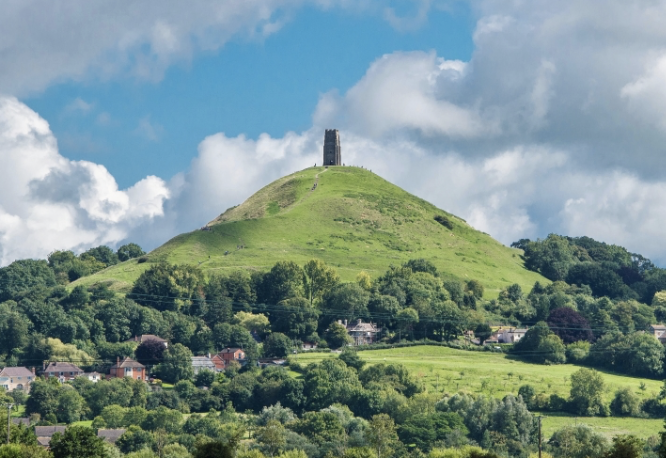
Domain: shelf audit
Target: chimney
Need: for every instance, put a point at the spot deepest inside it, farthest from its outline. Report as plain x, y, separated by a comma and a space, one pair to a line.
33, 370
345, 323
117, 360
43, 365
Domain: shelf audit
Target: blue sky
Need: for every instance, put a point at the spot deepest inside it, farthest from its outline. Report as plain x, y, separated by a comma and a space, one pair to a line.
136, 121
249, 86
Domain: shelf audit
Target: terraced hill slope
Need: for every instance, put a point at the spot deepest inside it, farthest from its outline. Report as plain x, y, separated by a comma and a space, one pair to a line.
347, 216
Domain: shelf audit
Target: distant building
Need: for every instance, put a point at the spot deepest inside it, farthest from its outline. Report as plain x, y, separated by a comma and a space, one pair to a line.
510, 335
110, 435
332, 149
45, 433
16, 378
128, 368
659, 331
144, 337
92, 376
361, 333
232, 354
200, 363
63, 371
308, 346
220, 363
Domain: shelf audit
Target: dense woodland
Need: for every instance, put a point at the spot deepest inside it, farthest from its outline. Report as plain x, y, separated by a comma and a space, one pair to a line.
595, 314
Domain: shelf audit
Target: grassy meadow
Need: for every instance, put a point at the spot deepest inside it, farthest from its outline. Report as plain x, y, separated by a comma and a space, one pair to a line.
448, 370
353, 220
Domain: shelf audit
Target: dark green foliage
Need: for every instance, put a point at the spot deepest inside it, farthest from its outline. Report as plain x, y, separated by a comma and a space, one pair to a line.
626, 446
135, 439
336, 336
176, 364
168, 287
214, 449
77, 442
425, 430
295, 317
24, 275
351, 359
422, 265
540, 345
19, 434
129, 251
587, 387
102, 254
204, 378
603, 281
346, 301
444, 221
283, 281
625, 404
636, 354
277, 345
577, 442
482, 332
320, 427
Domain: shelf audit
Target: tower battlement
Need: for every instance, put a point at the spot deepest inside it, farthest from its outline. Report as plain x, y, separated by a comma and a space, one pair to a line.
332, 150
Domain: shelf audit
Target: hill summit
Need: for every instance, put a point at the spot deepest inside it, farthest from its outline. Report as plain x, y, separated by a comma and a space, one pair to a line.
347, 216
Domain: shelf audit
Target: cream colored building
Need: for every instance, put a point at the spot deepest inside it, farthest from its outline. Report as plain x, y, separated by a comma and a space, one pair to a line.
16, 378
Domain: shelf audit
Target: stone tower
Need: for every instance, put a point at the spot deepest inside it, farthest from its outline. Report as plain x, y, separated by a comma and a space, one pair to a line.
332, 152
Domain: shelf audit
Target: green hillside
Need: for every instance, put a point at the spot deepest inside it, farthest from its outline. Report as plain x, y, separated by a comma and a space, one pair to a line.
352, 219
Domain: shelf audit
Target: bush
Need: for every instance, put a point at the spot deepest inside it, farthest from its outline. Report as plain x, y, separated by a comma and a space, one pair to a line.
653, 407
625, 404
444, 221
578, 352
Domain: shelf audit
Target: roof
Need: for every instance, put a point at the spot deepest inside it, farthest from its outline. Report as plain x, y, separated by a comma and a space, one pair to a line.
21, 421
219, 362
110, 435
128, 363
202, 361
515, 331
62, 367
44, 441
230, 350
48, 431
659, 327
142, 338
16, 372
360, 326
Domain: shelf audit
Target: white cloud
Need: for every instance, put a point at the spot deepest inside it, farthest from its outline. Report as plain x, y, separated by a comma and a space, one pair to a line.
78, 105
48, 202
149, 129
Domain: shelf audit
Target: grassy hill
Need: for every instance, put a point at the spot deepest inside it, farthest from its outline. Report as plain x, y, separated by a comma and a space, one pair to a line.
447, 370
347, 216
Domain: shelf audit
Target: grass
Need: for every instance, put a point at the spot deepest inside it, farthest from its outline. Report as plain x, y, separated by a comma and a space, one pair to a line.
354, 220
87, 423
447, 370
609, 426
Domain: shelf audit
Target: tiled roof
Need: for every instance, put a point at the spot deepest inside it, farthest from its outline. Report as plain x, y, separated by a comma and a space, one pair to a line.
127, 363
48, 431
202, 361
230, 350
144, 337
16, 372
62, 367
110, 435
21, 421
659, 327
360, 326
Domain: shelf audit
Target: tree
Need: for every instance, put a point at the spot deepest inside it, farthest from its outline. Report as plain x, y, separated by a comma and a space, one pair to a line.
272, 437
578, 441
129, 251
253, 322
585, 396
283, 281
102, 254
150, 352
277, 345
347, 301
569, 325
625, 404
205, 377
295, 317
168, 287
176, 365
215, 449
626, 446
384, 307
424, 430
23, 451
541, 345
381, 433
475, 287
422, 265
163, 418
24, 275
483, 331
78, 442
336, 336
319, 278
351, 359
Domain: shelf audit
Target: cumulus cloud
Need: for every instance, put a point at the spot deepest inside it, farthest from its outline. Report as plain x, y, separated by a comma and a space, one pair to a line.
48, 202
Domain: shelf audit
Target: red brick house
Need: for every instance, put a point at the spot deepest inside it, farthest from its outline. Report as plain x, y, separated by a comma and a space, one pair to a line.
64, 371
232, 354
128, 368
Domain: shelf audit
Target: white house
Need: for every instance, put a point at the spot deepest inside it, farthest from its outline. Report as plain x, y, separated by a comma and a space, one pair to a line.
510, 335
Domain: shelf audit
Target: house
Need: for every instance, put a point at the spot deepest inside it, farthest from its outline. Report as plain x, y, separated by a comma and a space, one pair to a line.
64, 371
232, 354
200, 363
220, 364
92, 376
361, 333
45, 433
25, 421
128, 368
659, 331
16, 378
510, 335
265, 362
309, 346
110, 435
144, 337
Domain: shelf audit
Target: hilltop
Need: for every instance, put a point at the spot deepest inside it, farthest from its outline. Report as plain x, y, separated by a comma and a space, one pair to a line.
347, 216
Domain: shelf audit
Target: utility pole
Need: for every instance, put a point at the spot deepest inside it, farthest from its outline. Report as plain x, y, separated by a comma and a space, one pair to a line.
539, 436
9, 421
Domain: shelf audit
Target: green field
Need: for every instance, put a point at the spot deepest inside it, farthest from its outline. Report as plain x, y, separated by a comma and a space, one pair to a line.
354, 220
448, 370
